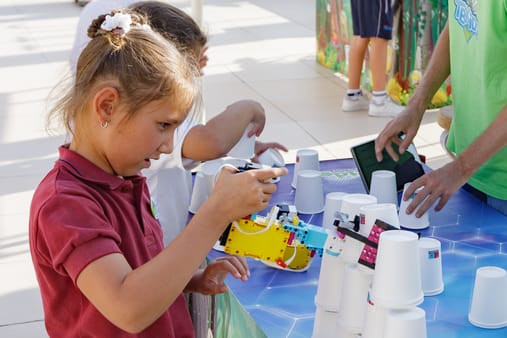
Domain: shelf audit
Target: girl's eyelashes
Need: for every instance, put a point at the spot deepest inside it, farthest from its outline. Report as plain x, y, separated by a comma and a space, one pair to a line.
164, 125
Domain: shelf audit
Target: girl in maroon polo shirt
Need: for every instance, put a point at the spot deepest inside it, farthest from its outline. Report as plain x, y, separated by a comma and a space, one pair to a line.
96, 246
195, 139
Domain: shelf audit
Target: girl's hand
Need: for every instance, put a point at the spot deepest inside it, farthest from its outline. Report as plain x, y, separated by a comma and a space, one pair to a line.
211, 280
261, 147
237, 195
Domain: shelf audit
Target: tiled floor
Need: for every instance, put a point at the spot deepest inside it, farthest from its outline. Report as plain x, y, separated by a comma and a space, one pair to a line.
262, 50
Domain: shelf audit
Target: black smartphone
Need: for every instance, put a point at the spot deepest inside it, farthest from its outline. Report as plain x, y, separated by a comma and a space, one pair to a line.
407, 168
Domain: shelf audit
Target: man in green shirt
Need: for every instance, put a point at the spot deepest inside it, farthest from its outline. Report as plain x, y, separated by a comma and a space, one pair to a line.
472, 48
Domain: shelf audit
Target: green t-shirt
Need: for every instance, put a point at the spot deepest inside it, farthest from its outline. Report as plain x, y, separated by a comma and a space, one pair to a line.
478, 42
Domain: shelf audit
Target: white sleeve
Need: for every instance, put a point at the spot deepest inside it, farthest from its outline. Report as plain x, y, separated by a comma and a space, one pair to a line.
175, 159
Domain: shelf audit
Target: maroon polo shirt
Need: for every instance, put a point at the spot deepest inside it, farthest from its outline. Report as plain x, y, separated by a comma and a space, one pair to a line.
80, 213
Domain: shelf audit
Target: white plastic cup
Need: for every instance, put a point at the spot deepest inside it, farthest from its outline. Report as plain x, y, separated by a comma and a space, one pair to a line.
271, 157
397, 279
245, 147
306, 159
210, 169
354, 299
405, 323
324, 324
351, 205
332, 204
369, 213
309, 197
410, 221
330, 281
374, 322
200, 192
205, 179
385, 212
383, 186
352, 250
430, 256
343, 333
488, 308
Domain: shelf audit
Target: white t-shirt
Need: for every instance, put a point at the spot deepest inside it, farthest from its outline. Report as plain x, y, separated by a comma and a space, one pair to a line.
170, 183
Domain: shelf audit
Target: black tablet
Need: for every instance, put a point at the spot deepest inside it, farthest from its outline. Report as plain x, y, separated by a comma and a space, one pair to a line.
407, 168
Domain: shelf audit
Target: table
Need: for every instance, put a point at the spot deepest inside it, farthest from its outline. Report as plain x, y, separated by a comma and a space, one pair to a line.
471, 233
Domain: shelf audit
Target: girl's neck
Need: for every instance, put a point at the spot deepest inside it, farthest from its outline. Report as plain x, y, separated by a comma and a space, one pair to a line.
92, 154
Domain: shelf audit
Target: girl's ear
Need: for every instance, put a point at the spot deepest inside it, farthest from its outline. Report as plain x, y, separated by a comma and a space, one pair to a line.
105, 101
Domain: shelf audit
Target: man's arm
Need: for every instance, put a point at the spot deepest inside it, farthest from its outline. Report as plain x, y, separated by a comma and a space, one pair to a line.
409, 120
437, 71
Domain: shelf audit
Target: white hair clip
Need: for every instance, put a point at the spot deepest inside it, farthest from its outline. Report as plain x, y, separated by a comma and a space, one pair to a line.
117, 21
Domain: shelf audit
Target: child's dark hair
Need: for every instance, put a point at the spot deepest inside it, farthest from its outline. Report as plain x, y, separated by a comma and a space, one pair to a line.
174, 24
139, 62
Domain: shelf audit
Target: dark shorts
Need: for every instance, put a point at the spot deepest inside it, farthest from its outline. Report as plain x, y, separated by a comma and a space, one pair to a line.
372, 18
496, 203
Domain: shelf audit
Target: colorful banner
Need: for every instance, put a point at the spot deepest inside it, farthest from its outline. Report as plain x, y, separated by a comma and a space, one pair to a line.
416, 27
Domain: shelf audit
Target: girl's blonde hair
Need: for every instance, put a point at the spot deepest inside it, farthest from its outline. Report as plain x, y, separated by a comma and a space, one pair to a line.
145, 66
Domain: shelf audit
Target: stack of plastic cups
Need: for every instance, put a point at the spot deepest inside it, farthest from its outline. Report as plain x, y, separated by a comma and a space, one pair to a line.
354, 311
354, 291
327, 299
375, 314
396, 286
374, 320
352, 314
405, 323
306, 159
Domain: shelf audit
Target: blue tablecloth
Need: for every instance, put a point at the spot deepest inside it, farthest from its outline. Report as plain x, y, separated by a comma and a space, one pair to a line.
471, 233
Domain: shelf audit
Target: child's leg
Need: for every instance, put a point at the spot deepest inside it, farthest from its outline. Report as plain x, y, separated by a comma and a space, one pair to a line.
355, 100
380, 104
378, 62
357, 52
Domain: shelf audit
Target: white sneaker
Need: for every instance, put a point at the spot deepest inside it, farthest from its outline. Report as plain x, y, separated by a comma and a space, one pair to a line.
355, 102
388, 108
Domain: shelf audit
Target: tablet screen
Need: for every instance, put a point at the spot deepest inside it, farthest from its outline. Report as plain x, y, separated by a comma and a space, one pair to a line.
407, 168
